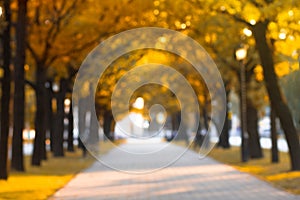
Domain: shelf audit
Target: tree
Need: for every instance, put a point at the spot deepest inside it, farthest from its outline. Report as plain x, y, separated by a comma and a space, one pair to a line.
17, 162
231, 74
82, 124
70, 118
5, 85
41, 66
47, 29
61, 32
59, 115
224, 137
265, 50
277, 101
210, 29
274, 149
128, 62
261, 17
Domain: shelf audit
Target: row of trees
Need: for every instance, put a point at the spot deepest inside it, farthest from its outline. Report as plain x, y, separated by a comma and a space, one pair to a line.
267, 27
47, 40
18, 61
51, 38
270, 34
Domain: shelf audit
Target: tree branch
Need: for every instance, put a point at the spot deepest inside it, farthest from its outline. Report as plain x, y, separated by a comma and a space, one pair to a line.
55, 28
31, 84
71, 51
256, 4
33, 53
236, 18
223, 60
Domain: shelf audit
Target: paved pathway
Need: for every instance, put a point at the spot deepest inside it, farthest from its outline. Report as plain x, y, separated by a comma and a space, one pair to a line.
188, 178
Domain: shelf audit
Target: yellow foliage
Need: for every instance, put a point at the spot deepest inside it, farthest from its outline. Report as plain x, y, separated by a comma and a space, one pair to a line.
258, 71
250, 12
282, 68
282, 176
41, 182
29, 186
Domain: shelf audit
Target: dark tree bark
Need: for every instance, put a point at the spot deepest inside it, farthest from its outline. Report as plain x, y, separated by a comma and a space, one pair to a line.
81, 124
48, 119
5, 93
40, 116
93, 126
52, 126
277, 102
17, 161
243, 115
274, 150
179, 134
107, 121
70, 129
93, 131
58, 137
112, 135
53, 123
182, 129
255, 149
175, 122
198, 140
174, 126
206, 119
224, 137
49, 114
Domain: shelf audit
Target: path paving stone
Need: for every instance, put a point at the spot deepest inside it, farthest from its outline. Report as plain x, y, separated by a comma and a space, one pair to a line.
188, 178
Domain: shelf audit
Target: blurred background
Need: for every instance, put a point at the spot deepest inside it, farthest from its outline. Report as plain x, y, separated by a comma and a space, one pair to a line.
254, 43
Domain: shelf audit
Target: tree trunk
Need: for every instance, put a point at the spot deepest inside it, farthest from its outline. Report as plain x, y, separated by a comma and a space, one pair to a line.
277, 102
81, 124
70, 129
206, 118
107, 124
175, 122
50, 114
178, 123
45, 121
198, 140
58, 148
93, 131
17, 161
274, 150
224, 137
40, 116
113, 125
58, 139
50, 117
5, 94
255, 149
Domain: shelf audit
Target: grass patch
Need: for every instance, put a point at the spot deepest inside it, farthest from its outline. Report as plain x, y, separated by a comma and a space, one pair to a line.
41, 182
278, 174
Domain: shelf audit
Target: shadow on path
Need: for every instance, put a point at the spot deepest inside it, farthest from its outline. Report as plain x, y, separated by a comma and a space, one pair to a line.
188, 178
